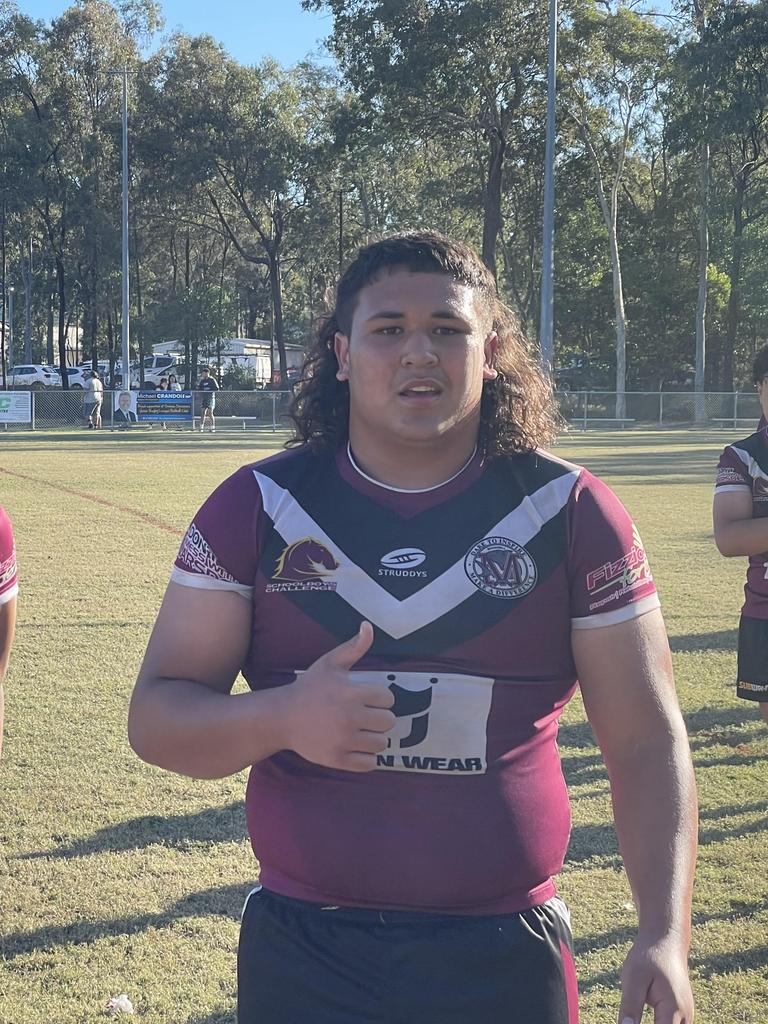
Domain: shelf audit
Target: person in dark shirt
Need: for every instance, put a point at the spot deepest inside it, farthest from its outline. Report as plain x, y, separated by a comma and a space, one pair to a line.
208, 385
411, 592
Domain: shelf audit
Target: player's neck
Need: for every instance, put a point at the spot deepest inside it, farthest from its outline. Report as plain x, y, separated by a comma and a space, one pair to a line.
410, 466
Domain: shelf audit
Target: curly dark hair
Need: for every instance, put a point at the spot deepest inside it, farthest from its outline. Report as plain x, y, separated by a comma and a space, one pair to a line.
518, 411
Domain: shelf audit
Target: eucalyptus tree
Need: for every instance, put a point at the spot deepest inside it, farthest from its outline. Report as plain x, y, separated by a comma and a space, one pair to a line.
613, 59
458, 73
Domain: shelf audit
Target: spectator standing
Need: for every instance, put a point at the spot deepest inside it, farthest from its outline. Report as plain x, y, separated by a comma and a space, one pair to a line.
208, 386
93, 398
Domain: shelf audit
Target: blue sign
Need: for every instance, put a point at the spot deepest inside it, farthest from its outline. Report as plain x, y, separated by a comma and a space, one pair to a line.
164, 406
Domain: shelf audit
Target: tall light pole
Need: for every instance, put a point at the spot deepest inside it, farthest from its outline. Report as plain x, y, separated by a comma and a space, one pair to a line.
11, 290
546, 333
125, 333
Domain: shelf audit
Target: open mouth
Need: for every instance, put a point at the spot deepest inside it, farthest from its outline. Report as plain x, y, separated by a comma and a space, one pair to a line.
424, 390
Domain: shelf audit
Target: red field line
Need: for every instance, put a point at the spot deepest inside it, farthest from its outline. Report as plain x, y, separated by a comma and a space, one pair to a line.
144, 517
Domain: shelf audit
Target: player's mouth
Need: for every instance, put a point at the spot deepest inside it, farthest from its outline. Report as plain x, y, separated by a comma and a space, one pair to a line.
421, 391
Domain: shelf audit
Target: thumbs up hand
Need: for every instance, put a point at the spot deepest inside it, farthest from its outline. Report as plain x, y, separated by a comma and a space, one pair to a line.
333, 721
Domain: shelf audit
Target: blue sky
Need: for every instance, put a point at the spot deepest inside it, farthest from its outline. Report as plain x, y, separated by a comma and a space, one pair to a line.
248, 29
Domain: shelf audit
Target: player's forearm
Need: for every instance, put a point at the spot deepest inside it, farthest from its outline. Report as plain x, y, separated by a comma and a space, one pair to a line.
655, 813
188, 728
742, 537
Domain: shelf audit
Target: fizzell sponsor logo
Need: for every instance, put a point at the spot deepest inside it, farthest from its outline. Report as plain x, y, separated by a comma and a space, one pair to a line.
626, 573
403, 562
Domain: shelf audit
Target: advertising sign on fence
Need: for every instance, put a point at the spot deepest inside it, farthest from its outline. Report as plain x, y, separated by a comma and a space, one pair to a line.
15, 406
165, 406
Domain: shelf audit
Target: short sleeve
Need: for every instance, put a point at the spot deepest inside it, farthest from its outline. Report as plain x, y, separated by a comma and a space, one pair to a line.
219, 550
9, 574
732, 472
610, 578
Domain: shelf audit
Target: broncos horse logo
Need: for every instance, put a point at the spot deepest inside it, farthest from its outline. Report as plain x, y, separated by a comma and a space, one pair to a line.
305, 560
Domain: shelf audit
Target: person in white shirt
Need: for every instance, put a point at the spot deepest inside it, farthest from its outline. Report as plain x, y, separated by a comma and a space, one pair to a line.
92, 400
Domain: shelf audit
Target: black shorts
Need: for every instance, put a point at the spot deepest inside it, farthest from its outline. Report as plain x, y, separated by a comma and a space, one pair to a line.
301, 964
752, 678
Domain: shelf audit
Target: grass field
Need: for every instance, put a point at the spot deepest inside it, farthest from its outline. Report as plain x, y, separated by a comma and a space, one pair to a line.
119, 878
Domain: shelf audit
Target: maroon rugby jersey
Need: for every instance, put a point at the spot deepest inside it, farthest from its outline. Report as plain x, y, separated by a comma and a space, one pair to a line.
9, 577
473, 588
743, 466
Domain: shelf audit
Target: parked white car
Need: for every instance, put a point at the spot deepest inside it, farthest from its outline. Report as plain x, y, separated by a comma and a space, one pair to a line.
78, 376
34, 376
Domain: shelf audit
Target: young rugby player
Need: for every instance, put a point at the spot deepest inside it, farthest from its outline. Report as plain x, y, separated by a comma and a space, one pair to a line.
412, 592
740, 514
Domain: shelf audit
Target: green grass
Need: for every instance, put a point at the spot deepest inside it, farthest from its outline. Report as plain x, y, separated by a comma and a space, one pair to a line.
120, 878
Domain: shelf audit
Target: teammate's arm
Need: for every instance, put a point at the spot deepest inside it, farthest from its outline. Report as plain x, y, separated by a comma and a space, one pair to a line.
626, 680
7, 627
183, 716
736, 532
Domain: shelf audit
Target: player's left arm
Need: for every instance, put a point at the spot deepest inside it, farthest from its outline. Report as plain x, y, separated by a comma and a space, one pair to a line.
626, 680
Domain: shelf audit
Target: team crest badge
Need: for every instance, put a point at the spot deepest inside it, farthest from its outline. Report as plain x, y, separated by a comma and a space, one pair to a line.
305, 559
501, 568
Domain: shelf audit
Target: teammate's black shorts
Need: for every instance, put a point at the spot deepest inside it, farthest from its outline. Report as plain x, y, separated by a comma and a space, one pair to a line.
301, 964
752, 679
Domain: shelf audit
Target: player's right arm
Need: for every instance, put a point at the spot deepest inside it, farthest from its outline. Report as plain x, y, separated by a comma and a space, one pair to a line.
183, 716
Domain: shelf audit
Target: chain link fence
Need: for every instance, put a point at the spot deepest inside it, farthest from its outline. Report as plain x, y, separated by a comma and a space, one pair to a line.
54, 408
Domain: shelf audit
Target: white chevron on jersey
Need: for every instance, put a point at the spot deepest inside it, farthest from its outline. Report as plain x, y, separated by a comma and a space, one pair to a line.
398, 617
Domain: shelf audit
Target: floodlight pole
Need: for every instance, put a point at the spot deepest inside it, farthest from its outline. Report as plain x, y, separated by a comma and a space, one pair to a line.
11, 291
125, 323
546, 332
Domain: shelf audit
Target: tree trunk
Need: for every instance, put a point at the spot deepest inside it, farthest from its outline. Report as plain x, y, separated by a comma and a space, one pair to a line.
275, 287
26, 277
139, 310
49, 303
62, 322
492, 199
701, 306
621, 325
734, 301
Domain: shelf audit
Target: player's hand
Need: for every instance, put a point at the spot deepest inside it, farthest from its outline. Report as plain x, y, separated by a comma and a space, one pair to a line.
333, 721
656, 975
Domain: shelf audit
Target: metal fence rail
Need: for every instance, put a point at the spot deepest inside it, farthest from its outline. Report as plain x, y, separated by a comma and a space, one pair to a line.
54, 408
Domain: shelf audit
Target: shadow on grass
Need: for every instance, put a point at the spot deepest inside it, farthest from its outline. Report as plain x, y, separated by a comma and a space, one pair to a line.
224, 901
213, 825
217, 1017
723, 640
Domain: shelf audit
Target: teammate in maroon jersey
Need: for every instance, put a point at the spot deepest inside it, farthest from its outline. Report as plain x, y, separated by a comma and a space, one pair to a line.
9, 588
740, 514
406, 801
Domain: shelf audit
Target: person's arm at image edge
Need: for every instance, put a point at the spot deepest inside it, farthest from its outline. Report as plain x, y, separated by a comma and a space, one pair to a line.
7, 628
736, 531
626, 681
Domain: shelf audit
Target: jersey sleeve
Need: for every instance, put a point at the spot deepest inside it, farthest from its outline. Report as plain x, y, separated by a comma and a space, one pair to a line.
9, 574
732, 472
220, 548
610, 578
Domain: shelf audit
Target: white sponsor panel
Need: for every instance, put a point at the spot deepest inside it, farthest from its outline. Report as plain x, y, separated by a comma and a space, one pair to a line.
15, 406
442, 721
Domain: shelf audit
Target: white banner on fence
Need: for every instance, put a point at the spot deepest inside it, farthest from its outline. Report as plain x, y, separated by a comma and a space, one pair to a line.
15, 406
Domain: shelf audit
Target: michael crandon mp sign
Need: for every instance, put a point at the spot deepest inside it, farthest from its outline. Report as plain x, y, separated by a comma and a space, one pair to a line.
166, 406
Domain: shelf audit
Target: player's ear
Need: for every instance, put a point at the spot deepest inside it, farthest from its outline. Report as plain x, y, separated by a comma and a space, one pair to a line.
341, 348
491, 344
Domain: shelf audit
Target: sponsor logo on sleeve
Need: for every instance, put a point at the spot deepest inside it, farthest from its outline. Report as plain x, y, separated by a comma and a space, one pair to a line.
196, 555
728, 475
615, 579
8, 568
403, 562
501, 568
303, 565
440, 721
